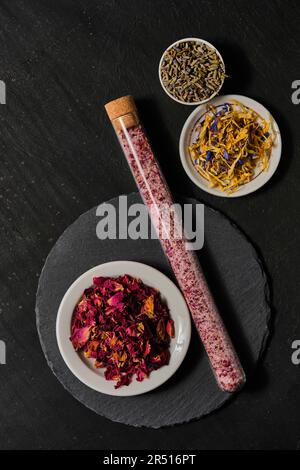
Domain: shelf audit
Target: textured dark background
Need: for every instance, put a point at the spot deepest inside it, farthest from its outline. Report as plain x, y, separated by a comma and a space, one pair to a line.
61, 61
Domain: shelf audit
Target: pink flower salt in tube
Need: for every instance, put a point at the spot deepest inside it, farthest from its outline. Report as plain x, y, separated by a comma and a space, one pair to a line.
185, 264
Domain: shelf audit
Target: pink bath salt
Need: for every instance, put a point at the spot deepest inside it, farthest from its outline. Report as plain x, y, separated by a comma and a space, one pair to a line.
185, 264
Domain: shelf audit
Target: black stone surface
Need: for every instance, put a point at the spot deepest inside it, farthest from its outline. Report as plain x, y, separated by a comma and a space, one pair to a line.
239, 284
61, 61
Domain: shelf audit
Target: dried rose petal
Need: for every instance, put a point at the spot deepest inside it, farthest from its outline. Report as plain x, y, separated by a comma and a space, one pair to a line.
147, 349
161, 330
148, 307
124, 326
80, 337
116, 300
170, 328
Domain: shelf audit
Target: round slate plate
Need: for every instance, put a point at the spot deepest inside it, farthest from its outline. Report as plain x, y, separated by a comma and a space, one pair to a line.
238, 283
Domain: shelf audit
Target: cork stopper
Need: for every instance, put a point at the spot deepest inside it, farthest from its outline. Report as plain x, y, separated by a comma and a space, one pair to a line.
122, 110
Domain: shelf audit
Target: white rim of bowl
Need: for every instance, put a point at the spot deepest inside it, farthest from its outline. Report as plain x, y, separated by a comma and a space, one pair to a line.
247, 188
197, 103
63, 349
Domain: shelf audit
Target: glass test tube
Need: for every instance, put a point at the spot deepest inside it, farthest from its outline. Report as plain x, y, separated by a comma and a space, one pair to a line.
185, 264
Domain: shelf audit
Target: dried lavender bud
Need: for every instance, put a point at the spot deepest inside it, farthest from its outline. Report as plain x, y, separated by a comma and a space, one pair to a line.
192, 71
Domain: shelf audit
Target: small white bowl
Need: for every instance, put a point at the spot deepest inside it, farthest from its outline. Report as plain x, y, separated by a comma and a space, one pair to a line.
83, 368
187, 135
196, 103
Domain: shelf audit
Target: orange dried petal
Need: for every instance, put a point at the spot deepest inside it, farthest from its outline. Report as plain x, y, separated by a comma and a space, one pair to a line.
148, 307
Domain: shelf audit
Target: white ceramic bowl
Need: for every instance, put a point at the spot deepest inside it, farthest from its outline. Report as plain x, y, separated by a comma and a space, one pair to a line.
187, 135
196, 103
83, 368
